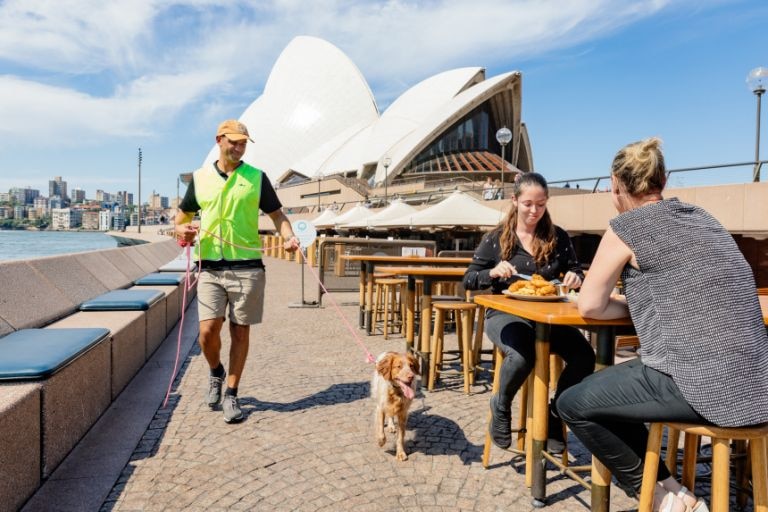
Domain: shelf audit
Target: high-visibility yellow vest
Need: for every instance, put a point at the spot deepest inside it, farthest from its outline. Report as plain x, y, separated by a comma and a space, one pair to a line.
230, 210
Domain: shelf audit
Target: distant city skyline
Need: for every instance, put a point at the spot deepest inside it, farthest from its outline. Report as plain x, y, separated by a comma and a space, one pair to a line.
87, 197
596, 75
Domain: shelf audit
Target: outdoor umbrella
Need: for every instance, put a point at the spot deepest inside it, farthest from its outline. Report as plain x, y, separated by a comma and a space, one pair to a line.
397, 208
458, 209
356, 213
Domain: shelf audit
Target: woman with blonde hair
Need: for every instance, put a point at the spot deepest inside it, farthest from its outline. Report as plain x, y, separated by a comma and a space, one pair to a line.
692, 298
527, 242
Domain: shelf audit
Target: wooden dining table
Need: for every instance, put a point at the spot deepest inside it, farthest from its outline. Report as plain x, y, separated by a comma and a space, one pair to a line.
545, 315
428, 275
368, 263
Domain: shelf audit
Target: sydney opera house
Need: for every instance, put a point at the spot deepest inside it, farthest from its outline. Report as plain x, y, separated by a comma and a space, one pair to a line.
317, 122
319, 135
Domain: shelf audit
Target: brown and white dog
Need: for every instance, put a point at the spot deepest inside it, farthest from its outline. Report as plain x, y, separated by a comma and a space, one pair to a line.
393, 388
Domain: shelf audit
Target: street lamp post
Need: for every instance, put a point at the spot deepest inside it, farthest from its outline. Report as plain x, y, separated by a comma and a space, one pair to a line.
755, 81
139, 217
386, 162
503, 136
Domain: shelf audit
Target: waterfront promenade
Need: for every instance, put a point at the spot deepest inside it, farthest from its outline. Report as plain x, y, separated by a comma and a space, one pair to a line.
307, 440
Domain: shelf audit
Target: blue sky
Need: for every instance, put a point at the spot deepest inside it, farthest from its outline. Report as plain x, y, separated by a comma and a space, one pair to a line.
85, 83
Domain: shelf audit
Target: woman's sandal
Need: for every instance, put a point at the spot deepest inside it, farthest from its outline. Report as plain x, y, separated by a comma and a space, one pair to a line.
699, 506
671, 498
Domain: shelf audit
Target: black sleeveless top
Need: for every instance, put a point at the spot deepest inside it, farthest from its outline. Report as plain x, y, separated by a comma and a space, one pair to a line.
695, 307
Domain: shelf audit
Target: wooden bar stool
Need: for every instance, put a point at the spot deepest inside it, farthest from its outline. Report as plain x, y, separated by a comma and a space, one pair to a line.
388, 305
461, 310
757, 436
524, 422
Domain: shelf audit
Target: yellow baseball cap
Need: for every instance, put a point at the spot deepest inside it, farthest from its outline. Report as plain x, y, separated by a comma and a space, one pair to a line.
233, 130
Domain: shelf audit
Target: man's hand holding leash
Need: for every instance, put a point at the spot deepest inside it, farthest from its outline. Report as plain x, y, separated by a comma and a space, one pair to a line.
186, 234
292, 244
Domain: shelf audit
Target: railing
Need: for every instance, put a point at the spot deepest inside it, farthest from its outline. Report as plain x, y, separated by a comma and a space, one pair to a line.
597, 179
355, 184
438, 188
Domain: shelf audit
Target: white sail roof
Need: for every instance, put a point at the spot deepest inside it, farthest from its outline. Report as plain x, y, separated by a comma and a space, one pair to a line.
318, 117
314, 93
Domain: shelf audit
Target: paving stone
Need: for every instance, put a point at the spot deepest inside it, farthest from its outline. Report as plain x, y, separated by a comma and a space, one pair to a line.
307, 442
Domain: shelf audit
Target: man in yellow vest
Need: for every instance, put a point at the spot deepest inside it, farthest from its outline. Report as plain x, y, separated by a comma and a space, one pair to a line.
228, 194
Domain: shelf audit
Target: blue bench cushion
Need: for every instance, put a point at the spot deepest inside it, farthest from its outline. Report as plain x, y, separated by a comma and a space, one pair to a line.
160, 279
33, 354
178, 265
123, 300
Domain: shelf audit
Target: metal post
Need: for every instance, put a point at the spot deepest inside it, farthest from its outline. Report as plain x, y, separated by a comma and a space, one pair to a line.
504, 137
756, 173
502, 169
385, 184
139, 198
386, 163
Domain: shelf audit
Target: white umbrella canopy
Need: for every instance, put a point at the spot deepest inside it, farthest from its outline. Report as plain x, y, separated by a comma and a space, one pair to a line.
458, 209
324, 218
356, 213
396, 208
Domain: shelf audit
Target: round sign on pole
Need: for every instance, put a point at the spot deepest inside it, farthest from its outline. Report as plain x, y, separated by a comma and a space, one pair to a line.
305, 231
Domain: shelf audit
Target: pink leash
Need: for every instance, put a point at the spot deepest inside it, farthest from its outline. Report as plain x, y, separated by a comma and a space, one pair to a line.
188, 285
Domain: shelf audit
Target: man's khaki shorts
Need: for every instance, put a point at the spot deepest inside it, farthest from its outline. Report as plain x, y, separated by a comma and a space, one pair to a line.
242, 290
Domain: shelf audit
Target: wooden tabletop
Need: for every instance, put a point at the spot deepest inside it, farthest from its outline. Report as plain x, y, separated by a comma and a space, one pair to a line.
428, 271
562, 312
407, 260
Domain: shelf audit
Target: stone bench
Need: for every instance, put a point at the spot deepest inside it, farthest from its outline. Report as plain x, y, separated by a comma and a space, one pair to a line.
71, 369
20, 456
128, 341
151, 301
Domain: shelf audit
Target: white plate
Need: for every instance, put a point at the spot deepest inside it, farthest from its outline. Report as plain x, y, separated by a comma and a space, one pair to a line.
534, 298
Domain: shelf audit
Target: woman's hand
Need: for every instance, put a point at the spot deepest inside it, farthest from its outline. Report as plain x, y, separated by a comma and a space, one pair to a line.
572, 280
504, 270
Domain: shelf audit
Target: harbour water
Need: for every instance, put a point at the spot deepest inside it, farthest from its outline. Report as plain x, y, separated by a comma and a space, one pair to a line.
21, 245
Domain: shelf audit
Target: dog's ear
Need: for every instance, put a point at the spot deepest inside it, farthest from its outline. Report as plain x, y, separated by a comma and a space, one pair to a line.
384, 366
413, 362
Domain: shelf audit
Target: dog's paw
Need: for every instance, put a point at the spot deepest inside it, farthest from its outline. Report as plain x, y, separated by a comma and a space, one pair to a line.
381, 440
391, 428
401, 456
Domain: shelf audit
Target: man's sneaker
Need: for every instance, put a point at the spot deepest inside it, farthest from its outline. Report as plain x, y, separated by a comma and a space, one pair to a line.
213, 397
232, 411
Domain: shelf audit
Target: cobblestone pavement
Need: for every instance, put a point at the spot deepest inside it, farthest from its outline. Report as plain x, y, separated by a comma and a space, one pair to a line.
307, 441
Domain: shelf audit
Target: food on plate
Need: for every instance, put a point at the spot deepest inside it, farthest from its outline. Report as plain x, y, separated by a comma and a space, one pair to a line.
546, 290
537, 286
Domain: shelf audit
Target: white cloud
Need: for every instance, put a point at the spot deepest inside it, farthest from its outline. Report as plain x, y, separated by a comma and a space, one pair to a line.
88, 69
64, 117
